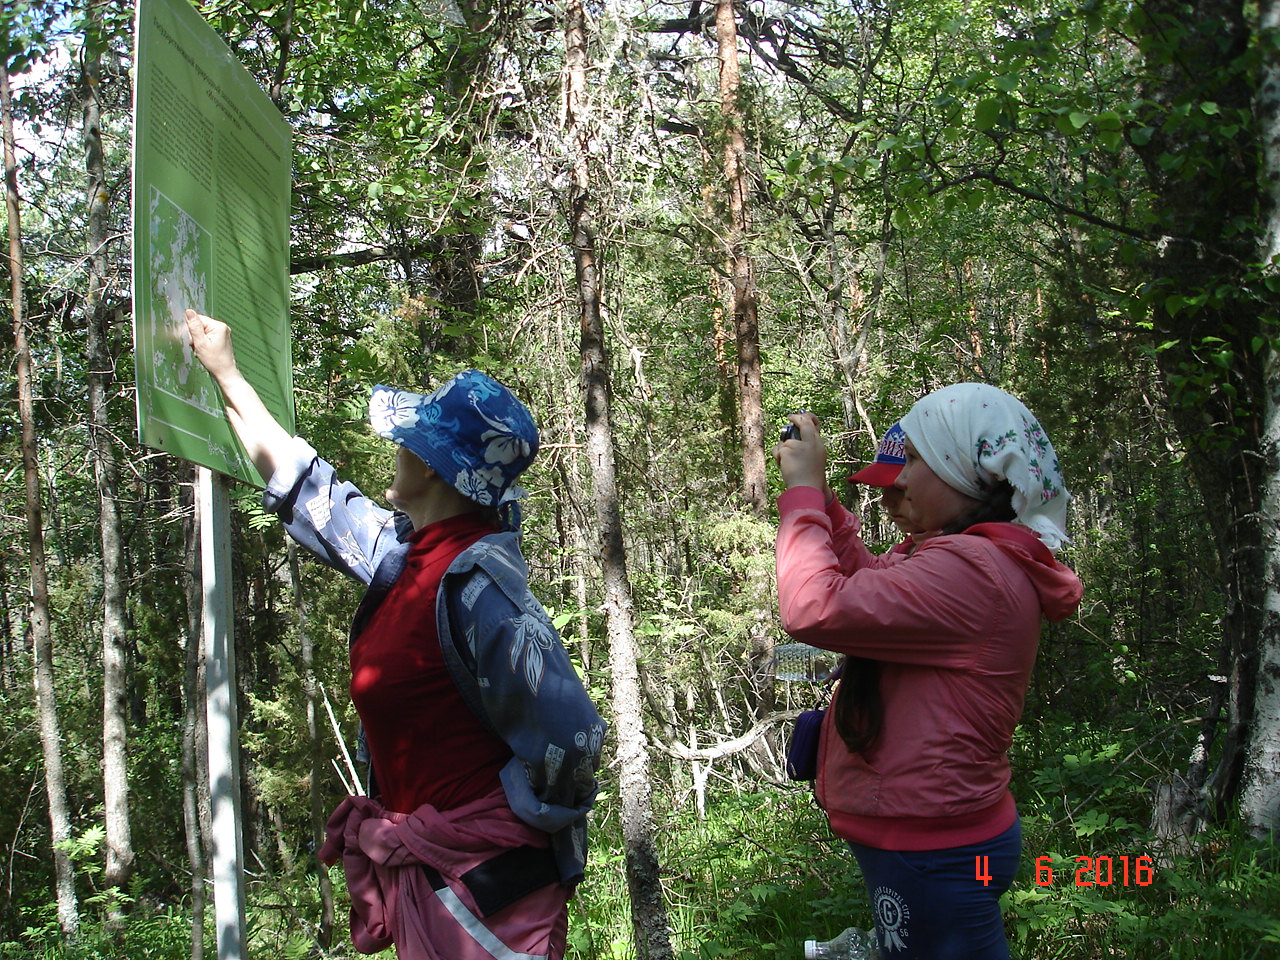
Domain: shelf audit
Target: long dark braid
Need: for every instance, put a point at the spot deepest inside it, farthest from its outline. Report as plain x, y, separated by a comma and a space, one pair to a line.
859, 708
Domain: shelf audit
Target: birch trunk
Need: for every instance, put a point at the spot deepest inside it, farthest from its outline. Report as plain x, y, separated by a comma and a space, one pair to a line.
41, 631
1260, 794
644, 883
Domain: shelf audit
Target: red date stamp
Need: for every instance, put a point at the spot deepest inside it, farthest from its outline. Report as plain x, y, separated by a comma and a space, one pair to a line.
1088, 872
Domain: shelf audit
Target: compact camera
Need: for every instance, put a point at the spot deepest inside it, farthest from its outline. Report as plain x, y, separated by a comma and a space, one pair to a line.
791, 431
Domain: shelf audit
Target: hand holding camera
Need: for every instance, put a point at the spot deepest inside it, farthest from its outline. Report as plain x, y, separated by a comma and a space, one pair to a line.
792, 430
804, 463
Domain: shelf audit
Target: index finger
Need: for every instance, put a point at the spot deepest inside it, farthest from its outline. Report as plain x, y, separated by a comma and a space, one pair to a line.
806, 424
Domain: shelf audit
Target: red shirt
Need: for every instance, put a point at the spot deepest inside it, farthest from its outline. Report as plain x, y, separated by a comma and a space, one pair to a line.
427, 745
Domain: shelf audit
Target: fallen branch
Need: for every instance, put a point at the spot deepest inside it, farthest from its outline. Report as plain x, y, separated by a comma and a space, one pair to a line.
726, 748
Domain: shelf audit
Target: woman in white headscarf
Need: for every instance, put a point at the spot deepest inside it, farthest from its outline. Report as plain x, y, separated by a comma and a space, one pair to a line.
914, 772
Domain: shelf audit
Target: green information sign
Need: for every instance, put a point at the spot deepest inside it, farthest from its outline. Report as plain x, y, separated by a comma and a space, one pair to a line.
210, 232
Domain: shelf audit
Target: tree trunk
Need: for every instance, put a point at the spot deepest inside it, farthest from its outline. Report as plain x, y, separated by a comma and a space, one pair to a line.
745, 314
449, 324
41, 631
8, 671
746, 324
324, 936
278, 88
848, 346
722, 338
644, 883
1219, 422
571, 527
1260, 795
115, 728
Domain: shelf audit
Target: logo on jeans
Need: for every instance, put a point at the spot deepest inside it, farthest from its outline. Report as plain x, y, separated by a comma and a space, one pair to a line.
892, 916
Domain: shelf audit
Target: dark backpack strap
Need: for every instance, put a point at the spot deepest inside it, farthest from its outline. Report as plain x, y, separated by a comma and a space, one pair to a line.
502, 880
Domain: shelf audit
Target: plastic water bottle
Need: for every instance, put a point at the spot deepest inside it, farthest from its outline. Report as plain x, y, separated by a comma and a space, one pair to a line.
852, 944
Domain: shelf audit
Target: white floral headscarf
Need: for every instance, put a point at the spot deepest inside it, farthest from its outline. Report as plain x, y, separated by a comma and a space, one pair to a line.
973, 434
472, 431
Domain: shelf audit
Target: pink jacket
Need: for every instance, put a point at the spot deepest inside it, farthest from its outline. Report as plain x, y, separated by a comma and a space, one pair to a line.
393, 899
955, 626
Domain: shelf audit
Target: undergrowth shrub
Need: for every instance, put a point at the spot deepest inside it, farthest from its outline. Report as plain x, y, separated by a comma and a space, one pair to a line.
762, 872
1096, 882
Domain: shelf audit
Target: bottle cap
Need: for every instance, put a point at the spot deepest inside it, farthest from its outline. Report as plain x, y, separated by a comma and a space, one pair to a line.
810, 949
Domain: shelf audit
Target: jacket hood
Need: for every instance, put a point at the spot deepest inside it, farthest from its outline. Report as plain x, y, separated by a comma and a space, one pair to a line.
1057, 585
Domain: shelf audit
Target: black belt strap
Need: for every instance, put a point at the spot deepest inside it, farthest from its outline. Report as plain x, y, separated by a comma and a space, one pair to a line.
502, 880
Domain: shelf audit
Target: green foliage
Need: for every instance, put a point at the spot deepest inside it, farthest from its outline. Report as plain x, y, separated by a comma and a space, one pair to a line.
149, 935
759, 875
762, 873
27, 32
1092, 882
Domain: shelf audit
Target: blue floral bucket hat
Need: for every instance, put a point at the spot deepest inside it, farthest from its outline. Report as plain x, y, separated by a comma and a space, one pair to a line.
472, 431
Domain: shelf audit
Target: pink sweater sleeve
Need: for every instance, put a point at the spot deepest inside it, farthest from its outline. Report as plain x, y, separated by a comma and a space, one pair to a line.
925, 609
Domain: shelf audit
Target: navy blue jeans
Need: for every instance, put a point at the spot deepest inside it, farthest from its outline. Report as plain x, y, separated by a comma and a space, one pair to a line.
936, 904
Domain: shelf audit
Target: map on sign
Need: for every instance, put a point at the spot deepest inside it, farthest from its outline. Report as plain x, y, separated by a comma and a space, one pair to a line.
211, 183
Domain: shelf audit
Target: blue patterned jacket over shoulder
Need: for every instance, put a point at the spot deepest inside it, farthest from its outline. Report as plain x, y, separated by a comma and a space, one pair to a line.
502, 651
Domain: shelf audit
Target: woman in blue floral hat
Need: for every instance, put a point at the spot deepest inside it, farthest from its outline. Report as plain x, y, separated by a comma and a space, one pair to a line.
916, 777
481, 739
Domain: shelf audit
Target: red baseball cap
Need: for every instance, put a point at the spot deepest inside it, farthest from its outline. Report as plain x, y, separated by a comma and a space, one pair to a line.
891, 457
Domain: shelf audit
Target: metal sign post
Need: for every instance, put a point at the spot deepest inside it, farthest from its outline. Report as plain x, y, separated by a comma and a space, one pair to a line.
220, 714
